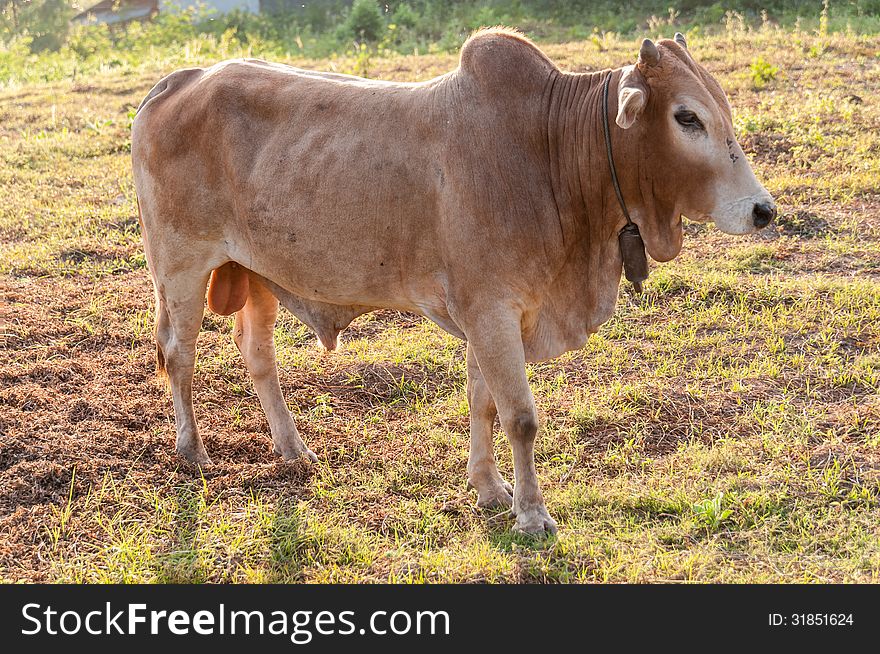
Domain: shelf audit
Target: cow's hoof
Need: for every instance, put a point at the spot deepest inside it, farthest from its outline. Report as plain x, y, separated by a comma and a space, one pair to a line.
297, 454
499, 497
535, 521
493, 493
197, 456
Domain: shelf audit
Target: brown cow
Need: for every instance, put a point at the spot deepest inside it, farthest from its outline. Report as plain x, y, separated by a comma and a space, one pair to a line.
481, 199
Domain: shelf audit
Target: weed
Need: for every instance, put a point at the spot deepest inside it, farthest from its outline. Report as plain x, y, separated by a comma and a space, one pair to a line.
711, 513
762, 72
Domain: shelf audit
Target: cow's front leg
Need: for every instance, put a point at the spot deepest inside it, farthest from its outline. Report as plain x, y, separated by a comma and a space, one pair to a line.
492, 490
498, 348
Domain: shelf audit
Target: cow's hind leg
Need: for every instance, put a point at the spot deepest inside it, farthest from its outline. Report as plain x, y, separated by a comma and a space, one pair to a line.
179, 311
492, 490
254, 336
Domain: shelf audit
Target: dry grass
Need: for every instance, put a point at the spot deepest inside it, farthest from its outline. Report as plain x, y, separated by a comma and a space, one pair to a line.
723, 427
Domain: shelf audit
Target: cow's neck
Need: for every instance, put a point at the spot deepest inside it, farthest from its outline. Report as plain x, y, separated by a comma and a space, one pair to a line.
579, 169
584, 290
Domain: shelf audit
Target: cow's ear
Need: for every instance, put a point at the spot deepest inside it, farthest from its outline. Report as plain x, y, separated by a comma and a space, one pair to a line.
632, 96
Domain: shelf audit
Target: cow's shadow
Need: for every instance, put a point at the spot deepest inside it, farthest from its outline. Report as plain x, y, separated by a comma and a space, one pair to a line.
287, 548
180, 562
183, 561
499, 525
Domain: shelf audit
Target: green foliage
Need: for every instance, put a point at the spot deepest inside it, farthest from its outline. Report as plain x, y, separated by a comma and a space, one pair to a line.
363, 60
44, 21
711, 513
320, 29
365, 22
85, 42
762, 72
405, 16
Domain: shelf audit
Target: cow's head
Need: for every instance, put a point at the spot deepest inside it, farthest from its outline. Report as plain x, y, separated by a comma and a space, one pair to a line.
688, 160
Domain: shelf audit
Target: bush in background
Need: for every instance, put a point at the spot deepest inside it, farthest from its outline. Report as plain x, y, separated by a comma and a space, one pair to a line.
365, 21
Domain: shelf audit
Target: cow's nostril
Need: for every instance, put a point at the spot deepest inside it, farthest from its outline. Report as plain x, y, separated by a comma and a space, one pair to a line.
762, 214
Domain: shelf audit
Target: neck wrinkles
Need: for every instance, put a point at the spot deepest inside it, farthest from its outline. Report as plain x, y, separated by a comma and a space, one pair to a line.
579, 167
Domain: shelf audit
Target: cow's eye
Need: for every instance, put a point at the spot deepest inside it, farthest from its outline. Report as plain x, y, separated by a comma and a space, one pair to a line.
688, 120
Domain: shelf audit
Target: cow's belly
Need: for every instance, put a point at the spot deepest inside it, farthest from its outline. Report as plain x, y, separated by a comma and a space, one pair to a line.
336, 279
330, 307
338, 219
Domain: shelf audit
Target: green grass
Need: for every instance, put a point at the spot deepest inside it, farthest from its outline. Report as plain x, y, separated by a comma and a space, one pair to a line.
721, 427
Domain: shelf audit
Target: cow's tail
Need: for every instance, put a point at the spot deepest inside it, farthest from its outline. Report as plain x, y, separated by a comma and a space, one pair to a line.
161, 369
169, 83
161, 372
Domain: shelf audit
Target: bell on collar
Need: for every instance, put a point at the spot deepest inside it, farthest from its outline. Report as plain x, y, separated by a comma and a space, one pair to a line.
632, 250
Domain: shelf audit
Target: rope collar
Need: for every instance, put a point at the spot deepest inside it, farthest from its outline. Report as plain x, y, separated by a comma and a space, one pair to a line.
632, 248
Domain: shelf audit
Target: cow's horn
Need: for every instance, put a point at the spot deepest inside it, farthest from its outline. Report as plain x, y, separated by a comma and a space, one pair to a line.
679, 38
649, 55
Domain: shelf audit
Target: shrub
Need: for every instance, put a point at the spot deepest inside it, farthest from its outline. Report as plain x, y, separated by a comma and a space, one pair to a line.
365, 20
762, 72
88, 41
405, 16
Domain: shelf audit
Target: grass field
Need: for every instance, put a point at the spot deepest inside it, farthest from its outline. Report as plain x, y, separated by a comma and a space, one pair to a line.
724, 426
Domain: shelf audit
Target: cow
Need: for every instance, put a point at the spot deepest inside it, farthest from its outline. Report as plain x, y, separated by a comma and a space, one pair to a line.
489, 200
